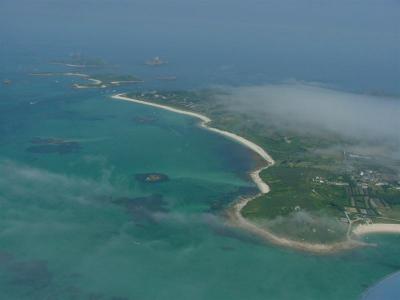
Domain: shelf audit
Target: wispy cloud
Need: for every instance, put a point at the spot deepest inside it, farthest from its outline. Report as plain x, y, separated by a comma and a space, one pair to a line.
21, 181
312, 108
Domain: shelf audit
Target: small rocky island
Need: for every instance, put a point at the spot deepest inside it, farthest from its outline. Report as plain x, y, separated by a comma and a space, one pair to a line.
151, 177
156, 61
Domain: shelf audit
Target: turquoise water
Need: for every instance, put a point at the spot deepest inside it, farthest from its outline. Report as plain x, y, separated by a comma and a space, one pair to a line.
77, 225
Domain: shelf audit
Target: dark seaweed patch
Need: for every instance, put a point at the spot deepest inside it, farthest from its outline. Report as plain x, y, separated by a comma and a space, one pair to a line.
225, 200
143, 208
144, 119
53, 145
60, 149
73, 115
5, 258
227, 248
31, 273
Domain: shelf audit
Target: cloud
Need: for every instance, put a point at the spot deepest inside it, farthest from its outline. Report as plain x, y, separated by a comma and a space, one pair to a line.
313, 226
19, 181
372, 122
308, 106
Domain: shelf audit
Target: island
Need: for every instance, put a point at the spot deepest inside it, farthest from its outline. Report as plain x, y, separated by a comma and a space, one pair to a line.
151, 177
309, 199
156, 61
107, 80
95, 81
49, 74
80, 61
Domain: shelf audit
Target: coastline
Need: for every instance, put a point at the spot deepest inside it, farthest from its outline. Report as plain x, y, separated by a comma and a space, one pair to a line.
125, 82
235, 214
96, 83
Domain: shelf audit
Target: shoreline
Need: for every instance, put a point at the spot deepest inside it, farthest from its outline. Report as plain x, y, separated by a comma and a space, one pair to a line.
235, 214
96, 83
125, 82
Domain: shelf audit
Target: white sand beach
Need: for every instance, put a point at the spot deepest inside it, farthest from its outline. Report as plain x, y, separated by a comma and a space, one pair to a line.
95, 81
125, 82
76, 74
376, 228
74, 65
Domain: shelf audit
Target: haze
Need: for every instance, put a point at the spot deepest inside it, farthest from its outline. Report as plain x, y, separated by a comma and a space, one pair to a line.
352, 44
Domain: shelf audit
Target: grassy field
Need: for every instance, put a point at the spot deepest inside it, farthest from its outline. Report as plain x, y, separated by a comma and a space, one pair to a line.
292, 188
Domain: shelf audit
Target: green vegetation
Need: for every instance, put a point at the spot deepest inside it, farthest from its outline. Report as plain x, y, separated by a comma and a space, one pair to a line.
293, 188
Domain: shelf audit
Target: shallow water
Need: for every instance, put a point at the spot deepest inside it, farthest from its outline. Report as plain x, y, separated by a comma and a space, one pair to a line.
76, 224
74, 221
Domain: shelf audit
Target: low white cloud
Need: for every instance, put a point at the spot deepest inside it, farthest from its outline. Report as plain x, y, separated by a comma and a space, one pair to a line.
313, 108
19, 181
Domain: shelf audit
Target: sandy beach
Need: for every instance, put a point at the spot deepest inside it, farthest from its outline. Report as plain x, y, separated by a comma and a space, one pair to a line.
60, 74
69, 65
126, 82
235, 214
96, 83
76, 74
376, 228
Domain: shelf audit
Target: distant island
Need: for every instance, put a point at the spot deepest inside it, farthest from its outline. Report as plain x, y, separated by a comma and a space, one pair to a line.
156, 61
107, 80
80, 61
96, 81
151, 177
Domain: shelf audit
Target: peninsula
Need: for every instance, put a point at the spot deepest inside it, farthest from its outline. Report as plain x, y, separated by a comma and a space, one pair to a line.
237, 213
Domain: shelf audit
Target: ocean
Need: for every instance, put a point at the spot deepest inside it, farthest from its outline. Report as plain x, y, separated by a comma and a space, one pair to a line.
75, 221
